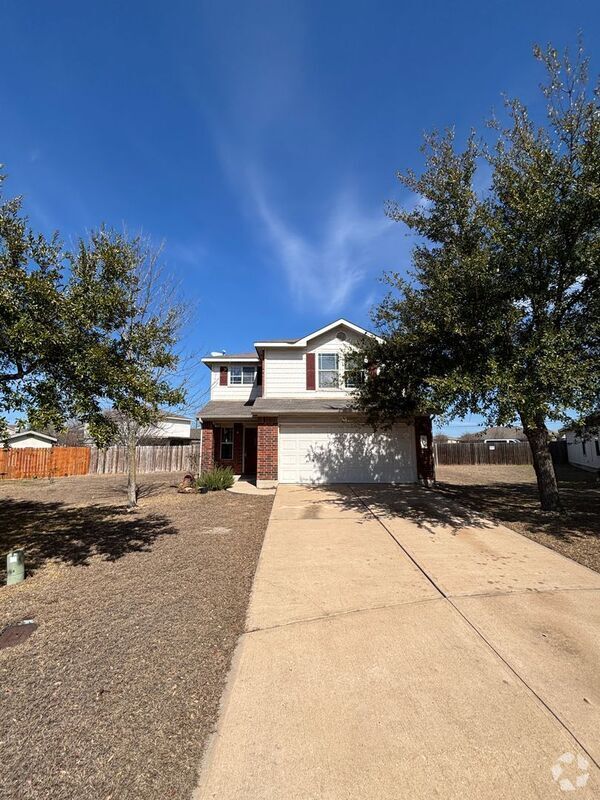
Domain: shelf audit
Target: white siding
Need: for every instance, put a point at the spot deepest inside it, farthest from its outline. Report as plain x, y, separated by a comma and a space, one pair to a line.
285, 368
218, 392
170, 428
285, 373
588, 460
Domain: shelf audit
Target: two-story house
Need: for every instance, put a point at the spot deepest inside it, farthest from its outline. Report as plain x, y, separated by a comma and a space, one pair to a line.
283, 413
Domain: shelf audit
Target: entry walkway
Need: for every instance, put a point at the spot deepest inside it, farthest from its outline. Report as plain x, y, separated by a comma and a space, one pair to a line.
400, 647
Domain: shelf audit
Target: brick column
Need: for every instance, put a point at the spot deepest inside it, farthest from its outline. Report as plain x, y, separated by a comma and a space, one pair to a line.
238, 448
208, 447
267, 444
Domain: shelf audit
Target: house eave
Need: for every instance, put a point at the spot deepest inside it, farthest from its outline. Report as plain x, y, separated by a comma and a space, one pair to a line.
230, 360
305, 339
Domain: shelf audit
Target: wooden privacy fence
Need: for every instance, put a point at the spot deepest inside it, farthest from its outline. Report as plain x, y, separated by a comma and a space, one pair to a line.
149, 458
44, 462
57, 462
482, 453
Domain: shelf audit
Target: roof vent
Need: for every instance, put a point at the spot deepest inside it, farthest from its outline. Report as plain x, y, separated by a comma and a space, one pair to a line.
217, 353
341, 336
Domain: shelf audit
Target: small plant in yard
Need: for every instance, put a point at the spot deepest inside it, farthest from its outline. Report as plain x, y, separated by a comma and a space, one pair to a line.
216, 479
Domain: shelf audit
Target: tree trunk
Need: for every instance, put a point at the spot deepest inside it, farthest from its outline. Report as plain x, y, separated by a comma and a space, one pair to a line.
537, 436
131, 473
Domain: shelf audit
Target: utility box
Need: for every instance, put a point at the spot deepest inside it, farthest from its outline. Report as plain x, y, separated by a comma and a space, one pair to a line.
15, 567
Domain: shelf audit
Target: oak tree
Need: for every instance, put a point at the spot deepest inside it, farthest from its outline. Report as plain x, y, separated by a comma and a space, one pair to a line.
500, 315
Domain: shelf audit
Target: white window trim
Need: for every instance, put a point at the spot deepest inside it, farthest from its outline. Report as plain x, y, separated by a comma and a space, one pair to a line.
221, 457
242, 382
341, 370
320, 370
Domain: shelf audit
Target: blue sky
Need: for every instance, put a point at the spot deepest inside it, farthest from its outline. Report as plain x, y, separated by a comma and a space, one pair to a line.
259, 140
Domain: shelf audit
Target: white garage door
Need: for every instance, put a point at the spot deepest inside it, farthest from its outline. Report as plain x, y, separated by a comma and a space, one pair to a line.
344, 453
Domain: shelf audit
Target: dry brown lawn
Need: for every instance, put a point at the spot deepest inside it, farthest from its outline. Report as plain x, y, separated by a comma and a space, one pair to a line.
115, 693
509, 494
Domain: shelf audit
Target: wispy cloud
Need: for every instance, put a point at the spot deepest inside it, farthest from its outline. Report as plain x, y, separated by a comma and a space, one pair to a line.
325, 270
273, 133
188, 253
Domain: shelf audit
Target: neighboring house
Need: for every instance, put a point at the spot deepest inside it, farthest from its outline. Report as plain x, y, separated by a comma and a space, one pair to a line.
29, 439
283, 413
583, 451
497, 435
171, 427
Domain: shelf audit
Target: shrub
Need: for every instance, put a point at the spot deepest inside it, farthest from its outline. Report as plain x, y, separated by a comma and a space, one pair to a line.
216, 479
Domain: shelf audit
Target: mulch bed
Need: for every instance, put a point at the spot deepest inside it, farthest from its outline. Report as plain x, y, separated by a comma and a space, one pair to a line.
509, 494
114, 695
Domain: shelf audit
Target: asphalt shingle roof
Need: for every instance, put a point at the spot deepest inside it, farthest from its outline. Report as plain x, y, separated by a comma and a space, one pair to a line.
298, 405
226, 409
237, 409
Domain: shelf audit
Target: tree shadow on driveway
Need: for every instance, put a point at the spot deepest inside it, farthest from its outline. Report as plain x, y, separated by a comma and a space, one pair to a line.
426, 508
72, 535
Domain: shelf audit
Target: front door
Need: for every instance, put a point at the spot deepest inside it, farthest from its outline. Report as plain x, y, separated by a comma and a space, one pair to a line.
250, 450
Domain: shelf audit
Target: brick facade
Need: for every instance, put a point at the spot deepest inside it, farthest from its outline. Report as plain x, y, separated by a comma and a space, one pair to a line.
208, 447
211, 448
267, 457
238, 448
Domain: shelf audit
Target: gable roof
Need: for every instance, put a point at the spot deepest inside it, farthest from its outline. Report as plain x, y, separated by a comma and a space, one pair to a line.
303, 341
37, 434
252, 358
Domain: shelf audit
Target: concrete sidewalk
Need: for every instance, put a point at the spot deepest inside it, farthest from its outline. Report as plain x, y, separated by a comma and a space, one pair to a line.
398, 647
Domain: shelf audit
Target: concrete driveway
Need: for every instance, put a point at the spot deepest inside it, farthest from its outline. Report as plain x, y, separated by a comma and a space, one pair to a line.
399, 646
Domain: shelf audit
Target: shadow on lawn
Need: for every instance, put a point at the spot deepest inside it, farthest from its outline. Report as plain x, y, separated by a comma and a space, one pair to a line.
519, 503
72, 535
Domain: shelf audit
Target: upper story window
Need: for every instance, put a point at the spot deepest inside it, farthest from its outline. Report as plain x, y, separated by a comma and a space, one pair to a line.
354, 371
335, 373
329, 372
242, 376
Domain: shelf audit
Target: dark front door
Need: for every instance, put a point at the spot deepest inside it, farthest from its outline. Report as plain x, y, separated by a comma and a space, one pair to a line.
250, 451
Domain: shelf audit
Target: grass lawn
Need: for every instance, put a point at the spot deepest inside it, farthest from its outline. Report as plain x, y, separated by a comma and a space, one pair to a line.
509, 494
115, 693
